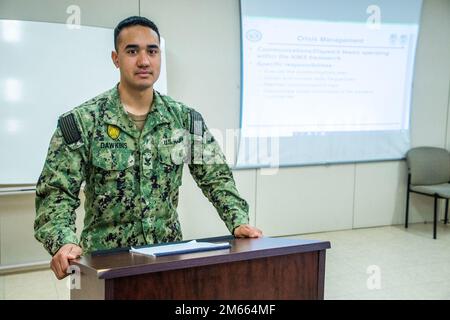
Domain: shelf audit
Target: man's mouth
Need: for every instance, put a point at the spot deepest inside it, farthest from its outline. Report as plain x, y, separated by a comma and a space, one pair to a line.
144, 73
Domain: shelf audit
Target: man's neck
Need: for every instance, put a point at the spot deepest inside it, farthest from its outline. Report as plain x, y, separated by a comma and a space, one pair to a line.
137, 102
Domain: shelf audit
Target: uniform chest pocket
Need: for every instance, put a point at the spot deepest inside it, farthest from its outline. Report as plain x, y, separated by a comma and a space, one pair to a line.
113, 161
172, 154
113, 171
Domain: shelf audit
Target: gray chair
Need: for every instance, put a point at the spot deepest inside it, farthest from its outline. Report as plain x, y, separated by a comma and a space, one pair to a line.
429, 175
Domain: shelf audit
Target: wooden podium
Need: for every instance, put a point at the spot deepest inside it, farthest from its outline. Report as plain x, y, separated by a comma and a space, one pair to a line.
263, 269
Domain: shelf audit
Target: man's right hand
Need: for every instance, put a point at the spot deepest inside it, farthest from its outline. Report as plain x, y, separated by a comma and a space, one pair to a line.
60, 261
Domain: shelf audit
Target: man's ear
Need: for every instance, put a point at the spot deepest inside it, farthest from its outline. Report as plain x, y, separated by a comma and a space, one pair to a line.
115, 58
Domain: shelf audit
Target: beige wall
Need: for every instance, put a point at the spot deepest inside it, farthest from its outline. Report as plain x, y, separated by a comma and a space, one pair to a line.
203, 65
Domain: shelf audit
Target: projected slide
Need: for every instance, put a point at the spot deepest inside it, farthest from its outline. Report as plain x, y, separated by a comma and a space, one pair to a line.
326, 89
345, 79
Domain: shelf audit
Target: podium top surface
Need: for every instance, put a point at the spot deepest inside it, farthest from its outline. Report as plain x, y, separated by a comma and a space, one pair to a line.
120, 262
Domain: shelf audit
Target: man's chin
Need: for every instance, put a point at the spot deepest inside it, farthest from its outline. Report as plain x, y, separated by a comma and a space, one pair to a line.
142, 86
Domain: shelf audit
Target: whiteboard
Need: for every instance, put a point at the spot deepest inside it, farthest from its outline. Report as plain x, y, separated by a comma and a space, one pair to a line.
47, 69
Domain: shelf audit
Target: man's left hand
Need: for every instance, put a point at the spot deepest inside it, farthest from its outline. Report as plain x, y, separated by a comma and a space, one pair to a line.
247, 231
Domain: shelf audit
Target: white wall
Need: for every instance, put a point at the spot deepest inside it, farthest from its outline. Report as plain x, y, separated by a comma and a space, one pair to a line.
203, 57
17, 243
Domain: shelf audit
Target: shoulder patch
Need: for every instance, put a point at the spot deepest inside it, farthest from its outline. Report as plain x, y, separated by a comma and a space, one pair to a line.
197, 124
69, 129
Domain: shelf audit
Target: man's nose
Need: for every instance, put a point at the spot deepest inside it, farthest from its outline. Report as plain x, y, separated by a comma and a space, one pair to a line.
143, 59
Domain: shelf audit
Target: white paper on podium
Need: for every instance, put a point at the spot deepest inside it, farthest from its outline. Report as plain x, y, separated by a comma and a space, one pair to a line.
179, 248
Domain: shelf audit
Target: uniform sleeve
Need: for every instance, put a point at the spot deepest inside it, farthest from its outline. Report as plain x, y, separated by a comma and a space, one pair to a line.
214, 177
57, 193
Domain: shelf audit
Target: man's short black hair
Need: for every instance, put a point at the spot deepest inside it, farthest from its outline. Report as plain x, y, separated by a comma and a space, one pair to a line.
134, 21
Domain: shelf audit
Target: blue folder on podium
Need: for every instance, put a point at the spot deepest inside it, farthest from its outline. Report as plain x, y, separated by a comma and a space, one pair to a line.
180, 248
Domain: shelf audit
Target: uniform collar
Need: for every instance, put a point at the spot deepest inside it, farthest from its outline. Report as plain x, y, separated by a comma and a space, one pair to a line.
114, 113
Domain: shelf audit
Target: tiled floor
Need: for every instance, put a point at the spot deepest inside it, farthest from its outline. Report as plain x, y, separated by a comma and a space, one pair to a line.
387, 263
374, 263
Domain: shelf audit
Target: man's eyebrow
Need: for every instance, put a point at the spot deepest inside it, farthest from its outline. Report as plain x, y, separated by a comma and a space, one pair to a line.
135, 46
132, 46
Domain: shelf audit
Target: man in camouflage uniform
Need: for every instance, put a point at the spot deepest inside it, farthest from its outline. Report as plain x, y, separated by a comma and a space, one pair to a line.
129, 145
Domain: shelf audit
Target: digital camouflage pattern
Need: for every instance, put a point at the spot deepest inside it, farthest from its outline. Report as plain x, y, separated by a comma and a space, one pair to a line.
132, 177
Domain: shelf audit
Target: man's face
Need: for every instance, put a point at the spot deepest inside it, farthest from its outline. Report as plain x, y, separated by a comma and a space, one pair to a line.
138, 57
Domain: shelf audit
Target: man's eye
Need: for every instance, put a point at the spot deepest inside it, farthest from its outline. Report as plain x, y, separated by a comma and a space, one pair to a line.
131, 51
153, 51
